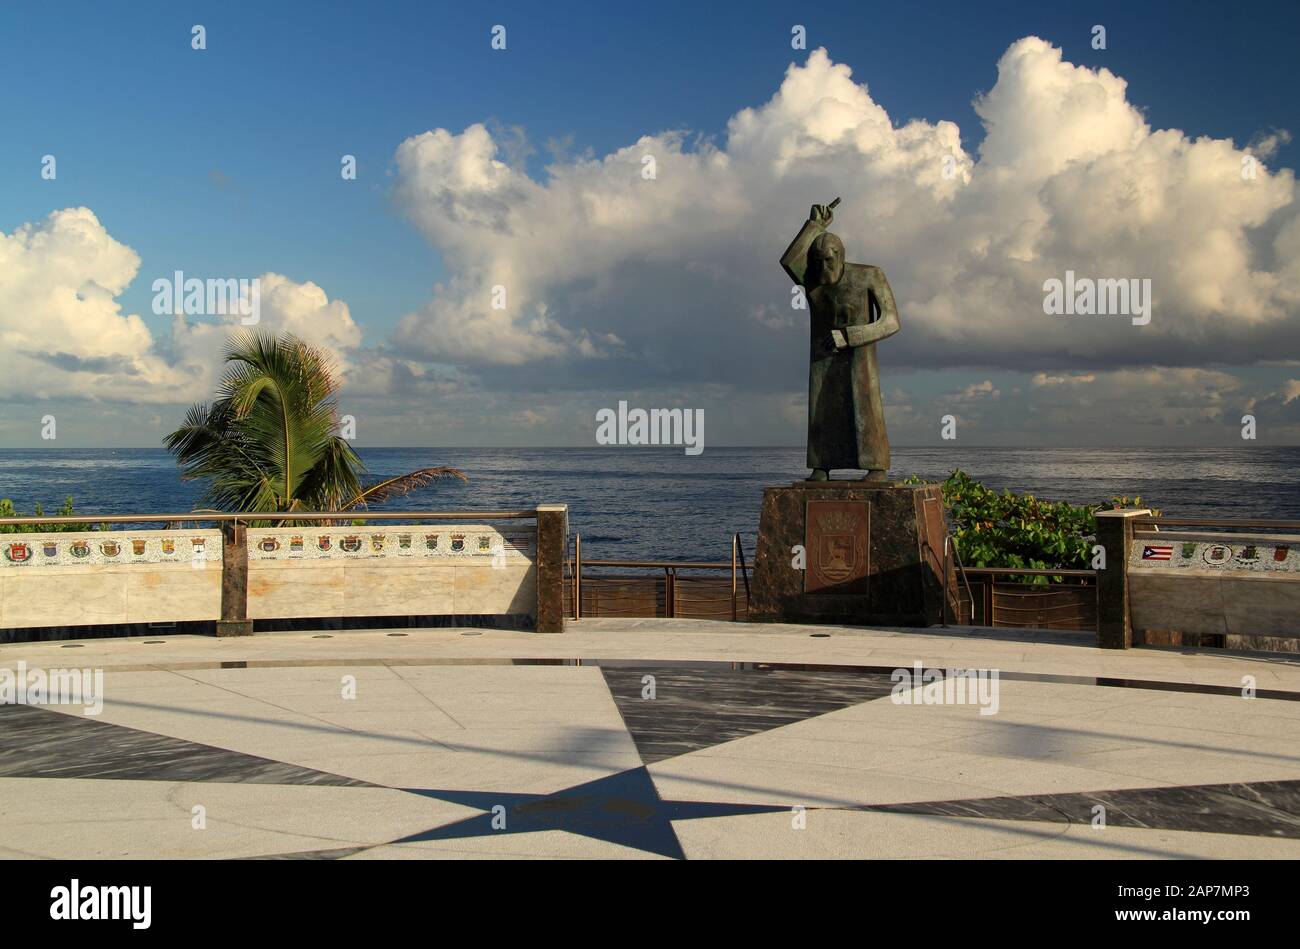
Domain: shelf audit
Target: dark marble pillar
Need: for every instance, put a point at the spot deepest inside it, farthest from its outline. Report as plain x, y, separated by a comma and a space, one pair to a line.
1115, 535
234, 582
552, 541
872, 555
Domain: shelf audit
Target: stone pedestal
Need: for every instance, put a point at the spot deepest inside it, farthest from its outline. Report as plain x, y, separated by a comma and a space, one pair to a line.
872, 555
552, 543
234, 581
1115, 535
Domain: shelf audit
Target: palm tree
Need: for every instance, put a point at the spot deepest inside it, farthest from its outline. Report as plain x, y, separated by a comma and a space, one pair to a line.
268, 442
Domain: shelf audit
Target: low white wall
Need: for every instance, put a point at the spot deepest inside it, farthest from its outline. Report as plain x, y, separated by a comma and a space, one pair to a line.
161, 576
1200, 583
148, 576
420, 570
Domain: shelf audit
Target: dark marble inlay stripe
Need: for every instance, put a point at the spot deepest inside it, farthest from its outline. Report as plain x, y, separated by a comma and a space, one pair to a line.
1259, 808
1154, 685
337, 853
698, 708
39, 743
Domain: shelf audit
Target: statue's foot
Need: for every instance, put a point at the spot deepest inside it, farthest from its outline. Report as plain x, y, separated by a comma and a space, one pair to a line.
876, 474
819, 474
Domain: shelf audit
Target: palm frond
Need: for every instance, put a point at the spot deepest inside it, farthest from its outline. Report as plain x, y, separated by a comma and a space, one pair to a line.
401, 485
268, 442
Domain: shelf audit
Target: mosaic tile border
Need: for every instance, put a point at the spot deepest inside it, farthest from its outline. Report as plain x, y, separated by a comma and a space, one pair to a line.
1230, 554
404, 542
110, 548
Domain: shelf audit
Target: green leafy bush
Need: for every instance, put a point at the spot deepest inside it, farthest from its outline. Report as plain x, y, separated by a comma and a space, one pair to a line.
7, 510
993, 529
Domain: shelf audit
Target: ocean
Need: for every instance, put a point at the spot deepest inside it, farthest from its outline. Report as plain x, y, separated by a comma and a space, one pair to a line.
660, 504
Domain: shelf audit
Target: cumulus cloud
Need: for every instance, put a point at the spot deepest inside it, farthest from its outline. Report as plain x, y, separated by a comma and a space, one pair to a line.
63, 331
65, 334
1148, 405
977, 391
1043, 379
651, 273
681, 268
1282, 405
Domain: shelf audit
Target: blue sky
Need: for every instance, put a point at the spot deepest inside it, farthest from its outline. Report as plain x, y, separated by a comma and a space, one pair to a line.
140, 122
226, 161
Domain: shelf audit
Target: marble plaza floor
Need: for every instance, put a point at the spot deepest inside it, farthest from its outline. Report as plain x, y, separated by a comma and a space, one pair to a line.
758, 741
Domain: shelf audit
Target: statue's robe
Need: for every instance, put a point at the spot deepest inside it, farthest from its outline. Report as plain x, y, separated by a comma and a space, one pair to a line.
846, 417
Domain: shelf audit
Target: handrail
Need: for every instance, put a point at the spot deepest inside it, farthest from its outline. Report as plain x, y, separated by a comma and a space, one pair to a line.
578, 564
961, 571
735, 545
943, 566
577, 576
674, 564
744, 570
720, 565
273, 516
1244, 523
1031, 571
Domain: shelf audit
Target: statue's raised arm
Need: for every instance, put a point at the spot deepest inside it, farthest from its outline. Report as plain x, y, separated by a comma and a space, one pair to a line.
795, 258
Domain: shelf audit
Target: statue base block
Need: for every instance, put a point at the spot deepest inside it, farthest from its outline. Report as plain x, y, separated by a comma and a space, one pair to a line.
852, 553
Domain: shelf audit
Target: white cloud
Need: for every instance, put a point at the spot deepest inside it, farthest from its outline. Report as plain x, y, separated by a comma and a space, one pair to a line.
682, 269
1137, 404
63, 333
1280, 406
303, 309
978, 391
1043, 379
617, 285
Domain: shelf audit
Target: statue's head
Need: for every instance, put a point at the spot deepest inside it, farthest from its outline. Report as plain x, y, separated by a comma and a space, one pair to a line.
826, 260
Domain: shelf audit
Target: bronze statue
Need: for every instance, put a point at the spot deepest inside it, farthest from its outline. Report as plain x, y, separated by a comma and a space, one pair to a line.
851, 309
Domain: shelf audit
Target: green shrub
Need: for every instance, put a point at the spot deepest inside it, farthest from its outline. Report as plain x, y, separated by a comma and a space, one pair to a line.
7, 510
993, 529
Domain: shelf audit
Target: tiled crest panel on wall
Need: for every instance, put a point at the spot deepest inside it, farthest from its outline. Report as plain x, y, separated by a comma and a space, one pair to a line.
110, 548
397, 543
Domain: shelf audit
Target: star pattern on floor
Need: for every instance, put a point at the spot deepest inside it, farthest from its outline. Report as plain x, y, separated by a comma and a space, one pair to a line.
667, 710
623, 809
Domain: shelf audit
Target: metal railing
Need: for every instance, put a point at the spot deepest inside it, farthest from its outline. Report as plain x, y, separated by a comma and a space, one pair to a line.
992, 596
950, 547
641, 596
1222, 523
1004, 602
247, 516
